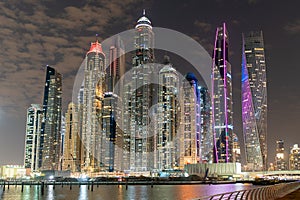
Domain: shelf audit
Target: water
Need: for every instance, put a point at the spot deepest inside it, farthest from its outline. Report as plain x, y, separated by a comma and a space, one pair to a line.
113, 192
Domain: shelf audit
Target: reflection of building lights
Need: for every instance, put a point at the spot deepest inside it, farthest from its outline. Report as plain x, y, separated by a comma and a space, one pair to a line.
51, 177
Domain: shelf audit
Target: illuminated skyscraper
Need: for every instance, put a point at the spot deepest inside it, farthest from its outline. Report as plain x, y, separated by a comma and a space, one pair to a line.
112, 112
222, 98
205, 126
32, 138
141, 144
72, 140
51, 127
112, 140
190, 122
116, 66
280, 163
94, 79
294, 158
168, 118
254, 101
236, 149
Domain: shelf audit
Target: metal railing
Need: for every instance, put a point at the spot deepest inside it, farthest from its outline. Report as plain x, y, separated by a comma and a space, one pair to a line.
265, 192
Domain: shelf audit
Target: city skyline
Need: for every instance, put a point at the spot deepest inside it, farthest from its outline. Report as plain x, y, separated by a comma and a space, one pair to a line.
30, 96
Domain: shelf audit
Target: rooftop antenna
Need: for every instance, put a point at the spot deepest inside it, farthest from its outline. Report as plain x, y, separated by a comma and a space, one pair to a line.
97, 37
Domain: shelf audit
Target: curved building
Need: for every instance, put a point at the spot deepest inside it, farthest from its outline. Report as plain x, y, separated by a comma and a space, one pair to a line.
254, 101
222, 99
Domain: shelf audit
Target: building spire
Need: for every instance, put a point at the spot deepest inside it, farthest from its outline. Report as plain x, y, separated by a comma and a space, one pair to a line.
144, 12
97, 37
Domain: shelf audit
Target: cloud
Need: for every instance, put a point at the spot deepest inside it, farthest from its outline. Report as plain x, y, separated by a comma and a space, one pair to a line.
204, 26
293, 27
39, 33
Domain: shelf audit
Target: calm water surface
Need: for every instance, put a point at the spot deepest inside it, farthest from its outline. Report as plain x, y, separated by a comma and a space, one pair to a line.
113, 192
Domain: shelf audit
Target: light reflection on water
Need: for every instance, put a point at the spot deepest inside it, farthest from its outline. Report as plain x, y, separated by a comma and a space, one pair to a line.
108, 192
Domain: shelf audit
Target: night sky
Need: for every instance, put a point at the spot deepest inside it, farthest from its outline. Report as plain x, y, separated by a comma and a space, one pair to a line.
36, 33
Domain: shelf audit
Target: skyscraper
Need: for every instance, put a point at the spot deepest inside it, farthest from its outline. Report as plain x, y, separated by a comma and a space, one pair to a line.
222, 98
141, 144
116, 67
51, 126
280, 163
206, 144
94, 79
254, 101
294, 158
112, 112
32, 138
236, 149
72, 140
111, 141
190, 122
168, 117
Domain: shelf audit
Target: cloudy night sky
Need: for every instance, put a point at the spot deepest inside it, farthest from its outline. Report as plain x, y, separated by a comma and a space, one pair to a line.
58, 33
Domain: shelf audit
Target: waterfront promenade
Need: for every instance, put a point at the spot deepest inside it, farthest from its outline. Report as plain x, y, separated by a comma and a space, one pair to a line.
291, 196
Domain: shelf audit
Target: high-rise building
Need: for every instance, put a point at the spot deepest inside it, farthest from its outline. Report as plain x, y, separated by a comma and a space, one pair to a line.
50, 132
94, 79
116, 67
168, 118
254, 101
294, 158
62, 141
280, 163
112, 112
236, 149
111, 141
141, 142
205, 126
72, 140
222, 114
32, 138
190, 122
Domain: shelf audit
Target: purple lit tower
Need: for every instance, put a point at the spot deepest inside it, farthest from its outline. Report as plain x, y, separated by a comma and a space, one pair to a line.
222, 121
254, 101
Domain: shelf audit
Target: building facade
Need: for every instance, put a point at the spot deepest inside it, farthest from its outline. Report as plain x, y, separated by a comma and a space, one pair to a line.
236, 149
168, 118
190, 122
294, 158
112, 110
94, 87
222, 114
205, 126
254, 101
32, 138
280, 162
50, 140
72, 140
140, 99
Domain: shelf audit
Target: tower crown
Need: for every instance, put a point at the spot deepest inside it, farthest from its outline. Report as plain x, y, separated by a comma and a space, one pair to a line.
143, 21
96, 48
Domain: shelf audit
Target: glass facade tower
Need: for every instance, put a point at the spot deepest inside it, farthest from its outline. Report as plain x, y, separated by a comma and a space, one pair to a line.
51, 127
254, 101
222, 114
